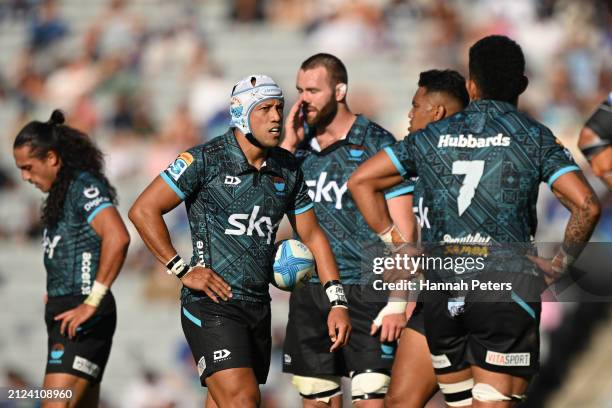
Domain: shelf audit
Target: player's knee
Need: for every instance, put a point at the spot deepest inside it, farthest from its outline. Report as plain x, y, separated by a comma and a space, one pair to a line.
487, 393
369, 384
244, 398
458, 394
317, 388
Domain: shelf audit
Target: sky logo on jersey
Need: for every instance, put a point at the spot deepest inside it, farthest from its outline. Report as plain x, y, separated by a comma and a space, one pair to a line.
50, 244
279, 185
356, 152
178, 167
323, 189
262, 226
420, 212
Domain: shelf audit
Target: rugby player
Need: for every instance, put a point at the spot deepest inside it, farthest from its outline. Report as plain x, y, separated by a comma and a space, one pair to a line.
333, 144
480, 170
236, 188
595, 141
440, 94
85, 243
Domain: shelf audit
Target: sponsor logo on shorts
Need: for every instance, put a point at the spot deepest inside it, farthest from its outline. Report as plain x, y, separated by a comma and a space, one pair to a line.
91, 192
508, 359
201, 366
287, 359
178, 167
57, 351
456, 306
85, 366
440, 361
221, 355
388, 351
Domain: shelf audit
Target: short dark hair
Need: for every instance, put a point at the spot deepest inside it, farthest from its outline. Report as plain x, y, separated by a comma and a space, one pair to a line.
497, 66
446, 81
333, 65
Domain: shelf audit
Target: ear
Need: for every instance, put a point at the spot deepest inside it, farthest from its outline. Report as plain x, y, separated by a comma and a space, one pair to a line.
53, 158
439, 112
341, 89
472, 89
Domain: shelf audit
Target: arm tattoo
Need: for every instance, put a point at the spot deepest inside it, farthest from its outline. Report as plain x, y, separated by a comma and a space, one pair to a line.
580, 225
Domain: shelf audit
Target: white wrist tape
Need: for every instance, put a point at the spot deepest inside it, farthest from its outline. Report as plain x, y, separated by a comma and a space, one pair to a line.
392, 307
335, 293
98, 291
178, 267
562, 262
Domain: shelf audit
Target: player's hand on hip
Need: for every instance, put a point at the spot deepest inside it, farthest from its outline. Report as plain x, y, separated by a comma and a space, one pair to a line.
206, 280
294, 127
546, 266
73, 318
339, 327
391, 327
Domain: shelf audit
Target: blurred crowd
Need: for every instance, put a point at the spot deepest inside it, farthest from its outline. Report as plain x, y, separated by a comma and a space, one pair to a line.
141, 77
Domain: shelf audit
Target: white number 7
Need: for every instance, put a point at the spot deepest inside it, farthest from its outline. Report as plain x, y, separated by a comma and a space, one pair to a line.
473, 172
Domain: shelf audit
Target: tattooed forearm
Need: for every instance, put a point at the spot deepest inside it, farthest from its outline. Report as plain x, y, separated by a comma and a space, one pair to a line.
581, 224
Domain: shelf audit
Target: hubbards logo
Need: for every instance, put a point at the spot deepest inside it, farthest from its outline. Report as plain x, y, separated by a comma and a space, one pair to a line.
472, 142
262, 226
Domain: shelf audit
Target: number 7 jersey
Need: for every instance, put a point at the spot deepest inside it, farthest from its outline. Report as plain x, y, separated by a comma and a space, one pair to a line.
480, 171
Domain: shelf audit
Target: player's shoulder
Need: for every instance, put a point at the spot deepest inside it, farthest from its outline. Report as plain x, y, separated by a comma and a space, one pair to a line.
374, 134
86, 184
284, 159
534, 127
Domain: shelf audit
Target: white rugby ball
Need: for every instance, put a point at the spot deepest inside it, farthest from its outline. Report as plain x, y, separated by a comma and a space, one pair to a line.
293, 265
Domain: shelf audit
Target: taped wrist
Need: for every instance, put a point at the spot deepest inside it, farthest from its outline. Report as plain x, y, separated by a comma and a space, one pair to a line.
335, 293
98, 291
177, 266
393, 306
562, 262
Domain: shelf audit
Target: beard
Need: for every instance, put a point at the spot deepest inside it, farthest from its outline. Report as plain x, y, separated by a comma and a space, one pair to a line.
324, 116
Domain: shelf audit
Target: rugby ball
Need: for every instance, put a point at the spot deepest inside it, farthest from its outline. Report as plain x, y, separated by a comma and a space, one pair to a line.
293, 265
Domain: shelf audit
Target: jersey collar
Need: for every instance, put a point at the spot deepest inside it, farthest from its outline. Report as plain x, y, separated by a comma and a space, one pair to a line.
241, 164
355, 136
490, 105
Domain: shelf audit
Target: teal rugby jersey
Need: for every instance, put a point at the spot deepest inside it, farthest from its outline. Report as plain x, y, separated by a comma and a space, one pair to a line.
326, 173
72, 247
479, 173
234, 211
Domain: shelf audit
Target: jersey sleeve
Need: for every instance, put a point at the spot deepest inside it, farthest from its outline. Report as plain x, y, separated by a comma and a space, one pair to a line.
556, 159
90, 196
185, 174
402, 155
405, 187
300, 201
